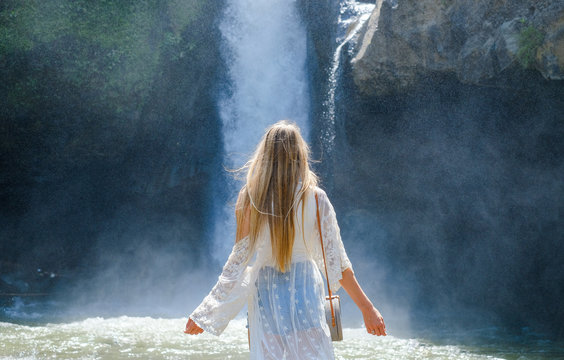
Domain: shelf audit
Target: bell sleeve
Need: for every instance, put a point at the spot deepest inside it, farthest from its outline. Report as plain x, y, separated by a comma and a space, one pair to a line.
335, 254
229, 294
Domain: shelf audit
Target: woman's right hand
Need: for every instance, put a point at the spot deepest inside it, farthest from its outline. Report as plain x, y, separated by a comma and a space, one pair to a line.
192, 328
374, 322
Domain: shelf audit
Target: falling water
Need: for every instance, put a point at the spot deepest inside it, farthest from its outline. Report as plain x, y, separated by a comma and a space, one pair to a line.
264, 49
352, 16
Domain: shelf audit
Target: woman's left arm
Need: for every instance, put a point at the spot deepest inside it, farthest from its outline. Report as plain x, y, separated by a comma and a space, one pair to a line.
339, 267
373, 320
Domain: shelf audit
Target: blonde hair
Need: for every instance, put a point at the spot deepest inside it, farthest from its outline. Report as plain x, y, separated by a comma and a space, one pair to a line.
272, 190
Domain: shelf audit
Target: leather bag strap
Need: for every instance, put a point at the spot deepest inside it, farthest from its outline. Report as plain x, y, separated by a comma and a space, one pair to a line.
324, 261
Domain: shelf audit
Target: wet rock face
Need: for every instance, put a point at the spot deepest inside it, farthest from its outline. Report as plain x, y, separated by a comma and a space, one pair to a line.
479, 42
97, 153
448, 189
444, 166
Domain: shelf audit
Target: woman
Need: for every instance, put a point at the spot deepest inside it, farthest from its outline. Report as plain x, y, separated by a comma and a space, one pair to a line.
276, 260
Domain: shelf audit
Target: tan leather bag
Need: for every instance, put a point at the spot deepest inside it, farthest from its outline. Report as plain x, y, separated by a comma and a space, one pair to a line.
332, 302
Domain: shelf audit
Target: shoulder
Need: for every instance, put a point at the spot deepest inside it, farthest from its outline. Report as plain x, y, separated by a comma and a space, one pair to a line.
318, 191
320, 194
325, 205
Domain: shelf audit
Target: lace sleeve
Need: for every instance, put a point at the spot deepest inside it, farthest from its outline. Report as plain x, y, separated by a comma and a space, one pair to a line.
229, 294
335, 254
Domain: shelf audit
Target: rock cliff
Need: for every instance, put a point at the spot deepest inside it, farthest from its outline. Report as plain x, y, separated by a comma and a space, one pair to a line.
446, 160
108, 139
479, 42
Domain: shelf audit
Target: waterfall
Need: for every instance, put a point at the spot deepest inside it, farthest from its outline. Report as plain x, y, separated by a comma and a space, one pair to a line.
352, 16
264, 49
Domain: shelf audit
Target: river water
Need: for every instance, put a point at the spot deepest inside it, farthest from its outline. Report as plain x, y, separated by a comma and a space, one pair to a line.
149, 338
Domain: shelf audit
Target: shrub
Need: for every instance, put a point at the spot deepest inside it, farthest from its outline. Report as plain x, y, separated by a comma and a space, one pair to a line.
530, 39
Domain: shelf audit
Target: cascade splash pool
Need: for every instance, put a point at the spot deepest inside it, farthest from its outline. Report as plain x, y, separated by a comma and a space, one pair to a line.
149, 338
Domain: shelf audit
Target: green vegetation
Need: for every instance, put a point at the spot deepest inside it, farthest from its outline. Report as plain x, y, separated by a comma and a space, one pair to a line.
88, 82
530, 39
86, 71
111, 47
101, 105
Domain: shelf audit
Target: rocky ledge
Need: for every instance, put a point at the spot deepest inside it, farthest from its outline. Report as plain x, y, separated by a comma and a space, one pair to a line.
479, 42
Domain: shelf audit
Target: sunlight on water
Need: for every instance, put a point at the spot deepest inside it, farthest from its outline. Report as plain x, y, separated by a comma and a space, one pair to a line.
148, 338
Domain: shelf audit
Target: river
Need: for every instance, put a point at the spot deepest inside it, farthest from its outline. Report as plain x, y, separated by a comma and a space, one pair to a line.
151, 338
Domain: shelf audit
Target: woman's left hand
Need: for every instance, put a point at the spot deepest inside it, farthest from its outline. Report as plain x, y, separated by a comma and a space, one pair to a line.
374, 322
192, 328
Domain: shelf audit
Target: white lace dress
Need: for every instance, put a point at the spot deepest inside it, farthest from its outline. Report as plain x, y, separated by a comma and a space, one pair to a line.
286, 310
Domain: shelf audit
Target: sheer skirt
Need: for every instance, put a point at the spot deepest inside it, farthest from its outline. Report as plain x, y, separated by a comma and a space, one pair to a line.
286, 315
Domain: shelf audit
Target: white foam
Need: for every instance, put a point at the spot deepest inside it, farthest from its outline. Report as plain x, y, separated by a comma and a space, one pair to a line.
143, 337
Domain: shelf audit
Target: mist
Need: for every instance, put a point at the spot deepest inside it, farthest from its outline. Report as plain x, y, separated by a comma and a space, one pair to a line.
120, 120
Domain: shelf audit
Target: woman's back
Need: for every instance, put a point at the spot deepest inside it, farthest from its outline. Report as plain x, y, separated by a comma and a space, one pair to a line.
305, 233
286, 316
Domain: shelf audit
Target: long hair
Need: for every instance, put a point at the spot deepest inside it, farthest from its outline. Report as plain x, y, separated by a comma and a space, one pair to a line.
272, 190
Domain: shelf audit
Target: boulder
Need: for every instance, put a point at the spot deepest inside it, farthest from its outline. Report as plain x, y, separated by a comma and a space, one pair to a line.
479, 43
550, 57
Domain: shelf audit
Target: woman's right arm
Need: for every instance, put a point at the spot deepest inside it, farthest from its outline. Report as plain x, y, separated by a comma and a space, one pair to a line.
228, 295
226, 298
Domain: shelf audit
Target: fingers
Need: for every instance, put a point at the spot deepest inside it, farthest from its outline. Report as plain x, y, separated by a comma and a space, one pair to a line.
193, 331
381, 331
376, 327
377, 330
192, 328
381, 327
